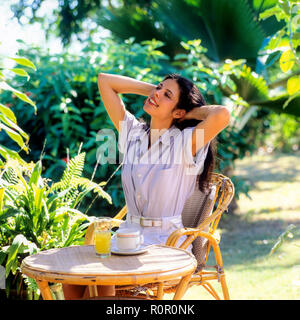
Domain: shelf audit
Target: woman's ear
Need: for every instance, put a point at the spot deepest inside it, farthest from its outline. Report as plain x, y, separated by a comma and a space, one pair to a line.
179, 113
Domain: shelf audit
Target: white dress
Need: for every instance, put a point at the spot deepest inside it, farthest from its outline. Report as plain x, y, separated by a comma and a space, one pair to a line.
157, 181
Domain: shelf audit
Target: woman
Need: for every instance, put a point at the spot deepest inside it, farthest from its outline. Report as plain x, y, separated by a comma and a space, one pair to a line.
155, 185
163, 159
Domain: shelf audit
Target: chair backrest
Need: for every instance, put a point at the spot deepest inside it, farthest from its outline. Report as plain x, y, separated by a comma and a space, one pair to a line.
198, 212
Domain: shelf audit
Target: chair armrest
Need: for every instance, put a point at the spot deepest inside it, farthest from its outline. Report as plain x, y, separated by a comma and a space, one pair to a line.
217, 236
121, 214
192, 234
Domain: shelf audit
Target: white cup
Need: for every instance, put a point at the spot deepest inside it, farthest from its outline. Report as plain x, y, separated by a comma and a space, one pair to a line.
129, 239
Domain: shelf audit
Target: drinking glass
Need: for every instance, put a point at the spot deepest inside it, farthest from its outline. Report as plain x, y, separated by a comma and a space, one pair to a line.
102, 236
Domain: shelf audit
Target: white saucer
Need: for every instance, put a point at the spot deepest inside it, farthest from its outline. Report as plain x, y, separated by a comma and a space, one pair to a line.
140, 250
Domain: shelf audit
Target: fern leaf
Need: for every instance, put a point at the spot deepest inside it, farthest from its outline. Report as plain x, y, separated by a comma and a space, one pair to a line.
32, 287
10, 176
72, 180
73, 170
88, 186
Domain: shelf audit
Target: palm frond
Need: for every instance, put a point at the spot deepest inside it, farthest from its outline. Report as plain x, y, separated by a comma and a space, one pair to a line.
228, 29
276, 104
250, 86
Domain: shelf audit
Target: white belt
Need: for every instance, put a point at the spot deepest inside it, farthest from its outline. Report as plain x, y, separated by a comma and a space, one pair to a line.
152, 222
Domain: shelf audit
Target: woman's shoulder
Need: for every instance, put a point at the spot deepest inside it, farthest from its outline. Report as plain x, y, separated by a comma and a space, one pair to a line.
132, 121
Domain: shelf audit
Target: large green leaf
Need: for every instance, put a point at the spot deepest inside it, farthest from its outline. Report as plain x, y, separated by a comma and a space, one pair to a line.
16, 247
36, 173
211, 21
14, 126
10, 154
20, 72
8, 113
22, 96
14, 136
276, 104
24, 62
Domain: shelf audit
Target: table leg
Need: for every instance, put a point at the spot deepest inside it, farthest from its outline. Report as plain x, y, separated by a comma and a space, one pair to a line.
93, 291
160, 291
45, 289
182, 286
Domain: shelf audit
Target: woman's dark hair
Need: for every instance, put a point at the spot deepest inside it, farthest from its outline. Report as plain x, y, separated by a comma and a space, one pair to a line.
190, 97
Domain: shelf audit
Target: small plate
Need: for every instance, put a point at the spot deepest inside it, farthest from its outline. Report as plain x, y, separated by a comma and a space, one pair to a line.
140, 250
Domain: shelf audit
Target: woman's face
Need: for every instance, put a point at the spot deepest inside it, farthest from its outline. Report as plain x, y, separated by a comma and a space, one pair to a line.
161, 102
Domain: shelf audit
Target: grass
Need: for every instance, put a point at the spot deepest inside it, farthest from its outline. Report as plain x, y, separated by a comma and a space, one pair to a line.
249, 234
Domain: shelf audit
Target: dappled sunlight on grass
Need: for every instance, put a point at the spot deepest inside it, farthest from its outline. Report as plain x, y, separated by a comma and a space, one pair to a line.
275, 182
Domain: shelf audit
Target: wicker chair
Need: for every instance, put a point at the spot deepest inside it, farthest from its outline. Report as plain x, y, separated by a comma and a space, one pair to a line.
200, 217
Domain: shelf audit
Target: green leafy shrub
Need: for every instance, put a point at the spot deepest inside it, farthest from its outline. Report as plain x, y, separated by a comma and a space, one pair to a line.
39, 214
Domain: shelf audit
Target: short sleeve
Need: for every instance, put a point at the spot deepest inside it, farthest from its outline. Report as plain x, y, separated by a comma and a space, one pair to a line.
128, 128
194, 164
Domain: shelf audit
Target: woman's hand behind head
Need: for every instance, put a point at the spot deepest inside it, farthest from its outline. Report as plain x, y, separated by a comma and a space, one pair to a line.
197, 113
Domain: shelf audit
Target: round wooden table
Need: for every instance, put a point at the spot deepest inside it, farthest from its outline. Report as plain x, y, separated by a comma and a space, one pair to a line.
79, 265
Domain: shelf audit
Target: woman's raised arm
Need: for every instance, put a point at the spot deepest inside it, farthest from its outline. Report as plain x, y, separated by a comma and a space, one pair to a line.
215, 119
110, 85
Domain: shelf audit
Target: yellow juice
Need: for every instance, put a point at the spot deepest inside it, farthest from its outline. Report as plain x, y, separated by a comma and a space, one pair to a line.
102, 242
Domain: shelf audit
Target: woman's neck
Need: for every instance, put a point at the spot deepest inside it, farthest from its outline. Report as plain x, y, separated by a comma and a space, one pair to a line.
160, 124
157, 128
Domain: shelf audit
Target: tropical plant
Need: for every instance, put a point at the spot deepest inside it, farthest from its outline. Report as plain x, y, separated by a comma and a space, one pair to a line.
278, 63
37, 214
282, 46
8, 120
211, 21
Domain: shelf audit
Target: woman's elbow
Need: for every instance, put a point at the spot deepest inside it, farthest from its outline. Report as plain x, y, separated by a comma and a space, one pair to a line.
101, 75
225, 115
101, 78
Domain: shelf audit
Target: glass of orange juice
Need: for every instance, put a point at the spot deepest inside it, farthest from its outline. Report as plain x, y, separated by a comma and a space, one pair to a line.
102, 236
